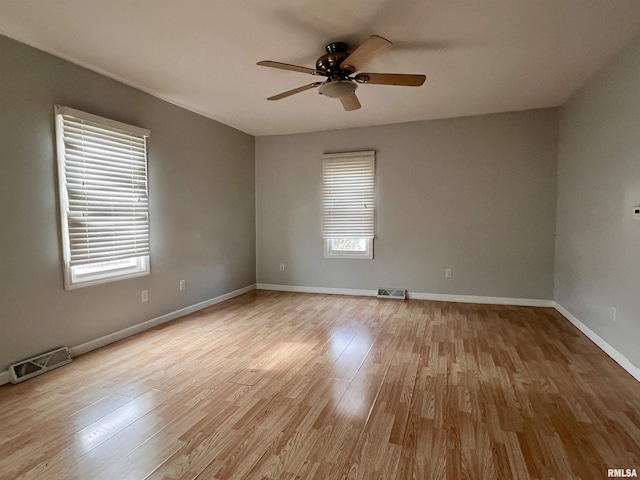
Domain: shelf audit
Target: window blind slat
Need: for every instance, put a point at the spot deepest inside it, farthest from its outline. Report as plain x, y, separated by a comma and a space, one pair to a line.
122, 131
116, 255
105, 179
87, 165
109, 194
88, 149
348, 196
91, 160
79, 132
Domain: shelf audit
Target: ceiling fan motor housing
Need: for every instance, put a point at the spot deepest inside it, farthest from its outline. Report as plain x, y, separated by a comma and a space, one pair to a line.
330, 61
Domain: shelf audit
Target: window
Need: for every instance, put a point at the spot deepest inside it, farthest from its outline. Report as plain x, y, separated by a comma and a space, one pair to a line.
348, 248
348, 202
104, 203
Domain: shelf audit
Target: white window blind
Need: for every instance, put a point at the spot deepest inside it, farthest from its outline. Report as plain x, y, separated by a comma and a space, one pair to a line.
103, 182
348, 196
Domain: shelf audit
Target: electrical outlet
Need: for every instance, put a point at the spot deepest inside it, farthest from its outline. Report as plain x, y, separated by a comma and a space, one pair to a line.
448, 273
612, 314
183, 285
144, 296
282, 267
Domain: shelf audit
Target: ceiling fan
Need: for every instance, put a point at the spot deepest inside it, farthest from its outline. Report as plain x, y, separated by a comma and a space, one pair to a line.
339, 67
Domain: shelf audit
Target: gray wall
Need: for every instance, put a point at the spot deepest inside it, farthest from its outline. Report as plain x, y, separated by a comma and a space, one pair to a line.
202, 207
598, 242
474, 194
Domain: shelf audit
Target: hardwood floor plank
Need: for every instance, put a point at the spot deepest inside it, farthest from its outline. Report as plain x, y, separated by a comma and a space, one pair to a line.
99, 409
142, 461
40, 458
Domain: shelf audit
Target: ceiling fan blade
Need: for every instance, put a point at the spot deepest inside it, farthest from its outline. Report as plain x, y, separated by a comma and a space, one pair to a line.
286, 66
288, 93
373, 46
401, 79
350, 102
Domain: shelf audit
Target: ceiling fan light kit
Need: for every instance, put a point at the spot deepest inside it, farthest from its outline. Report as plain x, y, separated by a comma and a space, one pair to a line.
338, 66
337, 88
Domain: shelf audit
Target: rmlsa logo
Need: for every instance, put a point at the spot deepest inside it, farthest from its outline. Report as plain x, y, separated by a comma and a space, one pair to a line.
622, 473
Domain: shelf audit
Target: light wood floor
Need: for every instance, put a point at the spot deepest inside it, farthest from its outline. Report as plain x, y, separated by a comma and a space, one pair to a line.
275, 385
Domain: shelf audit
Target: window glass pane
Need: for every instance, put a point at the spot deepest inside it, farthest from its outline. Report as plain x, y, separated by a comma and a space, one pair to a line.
357, 248
349, 244
104, 266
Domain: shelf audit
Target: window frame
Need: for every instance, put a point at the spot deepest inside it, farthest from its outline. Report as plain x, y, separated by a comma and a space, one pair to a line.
73, 276
74, 280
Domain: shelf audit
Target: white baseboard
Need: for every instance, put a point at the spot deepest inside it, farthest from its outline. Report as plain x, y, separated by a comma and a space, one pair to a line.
520, 302
324, 290
439, 297
620, 359
127, 332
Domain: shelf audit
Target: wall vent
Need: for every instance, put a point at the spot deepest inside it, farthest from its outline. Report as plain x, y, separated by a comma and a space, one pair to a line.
399, 293
21, 371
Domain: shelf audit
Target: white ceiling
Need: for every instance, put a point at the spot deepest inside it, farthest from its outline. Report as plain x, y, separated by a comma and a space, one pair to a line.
479, 56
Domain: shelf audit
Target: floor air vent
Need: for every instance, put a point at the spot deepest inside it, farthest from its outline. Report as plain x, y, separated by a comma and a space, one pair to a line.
399, 293
21, 371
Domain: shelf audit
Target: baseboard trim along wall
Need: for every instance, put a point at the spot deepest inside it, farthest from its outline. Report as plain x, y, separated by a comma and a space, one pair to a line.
323, 290
439, 297
520, 302
620, 359
140, 327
